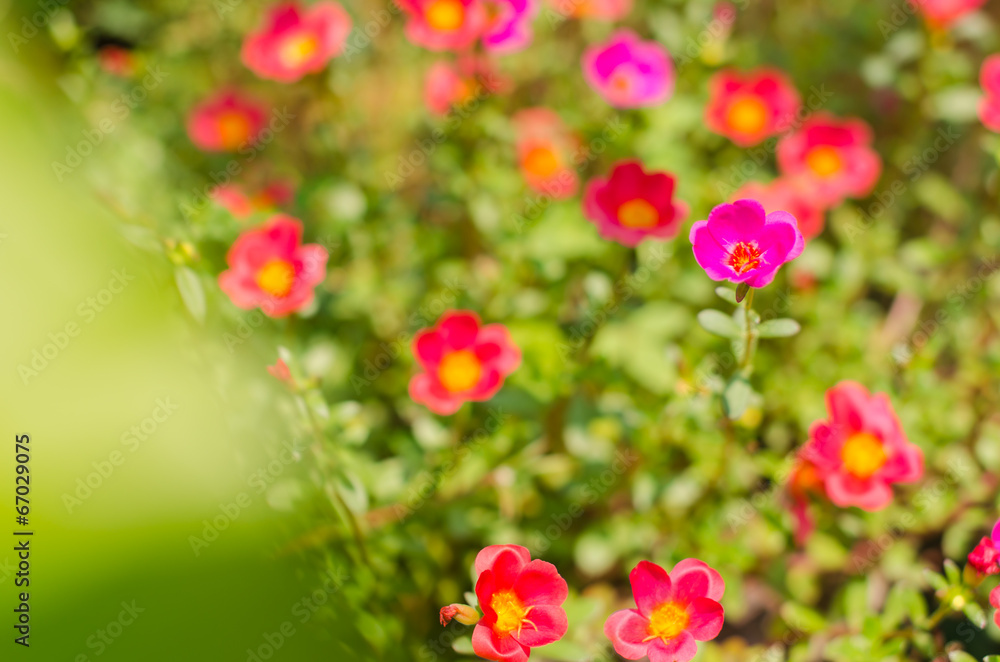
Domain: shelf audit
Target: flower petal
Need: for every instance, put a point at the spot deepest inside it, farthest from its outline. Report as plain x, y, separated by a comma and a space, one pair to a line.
706, 618
692, 578
651, 586
626, 629
679, 649
487, 645
548, 623
488, 556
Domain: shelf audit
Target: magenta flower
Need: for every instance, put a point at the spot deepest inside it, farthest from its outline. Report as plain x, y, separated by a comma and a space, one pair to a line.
441, 25
741, 244
675, 610
270, 268
861, 450
629, 72
989, 105
226, 121
508, 27
294, 40
462, 361
631, 204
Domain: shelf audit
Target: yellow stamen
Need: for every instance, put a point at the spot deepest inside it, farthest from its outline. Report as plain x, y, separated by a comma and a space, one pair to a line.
297, 49
747, 115
824, 160
863, 454
511, 613
460, 371
667, 621
541, 162
445, 15
234, 129
276, 278
638, 213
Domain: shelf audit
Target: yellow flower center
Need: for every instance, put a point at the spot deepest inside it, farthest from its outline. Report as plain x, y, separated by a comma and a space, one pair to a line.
824, 160
460, 371
747, 115
297, 49
234, 129
638, 213
511, 613
744, 257
276, 278
541, 162
863, 454
667, 621
445, 15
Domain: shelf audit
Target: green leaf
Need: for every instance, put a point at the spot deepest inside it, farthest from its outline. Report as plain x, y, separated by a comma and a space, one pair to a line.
960, 656
802, 618
736, 397
952, 572
778, 328
726, 294
991, 658
741, 292
975, 614
935, 580
718, 323
192, 293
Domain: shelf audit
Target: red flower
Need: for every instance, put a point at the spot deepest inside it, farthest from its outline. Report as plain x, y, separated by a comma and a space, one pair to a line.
631, 204
521, 601
444, 24
449, 84
942, 13
269, 267
747, 108
786, 195
544, 148
861, 451
294, 41
985, 556
833, 158
675, 610
462, 362
803, 481
989, 105
280, 371
995, 603
226, 121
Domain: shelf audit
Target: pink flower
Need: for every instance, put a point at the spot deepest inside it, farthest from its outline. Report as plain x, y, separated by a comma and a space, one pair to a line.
747, 108
233, 199
441, 25
521, 601
508, 28
833, 158
294, 40
861, 451
462, 361
602, 10
989, 105
942, 13
675, 610
631, 204
784, 194
803, 481
270, 268
741, 244
280, 371
226, 121
544, 149
448, 84
629, 72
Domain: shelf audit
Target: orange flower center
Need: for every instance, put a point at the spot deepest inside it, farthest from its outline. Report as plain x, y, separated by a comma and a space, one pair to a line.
511, 613
445, 15
621, 82
747, 115
276, 278
541, 162
667, 621
824, 160
460, 371
638, 213
297, 49
234, 128
744, 257
863, 454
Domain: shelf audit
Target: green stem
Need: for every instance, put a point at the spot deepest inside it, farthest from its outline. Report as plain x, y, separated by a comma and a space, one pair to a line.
943, 610
745, 366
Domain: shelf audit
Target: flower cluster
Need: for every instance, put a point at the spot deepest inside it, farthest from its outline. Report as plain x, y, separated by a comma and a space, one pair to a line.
521, 602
